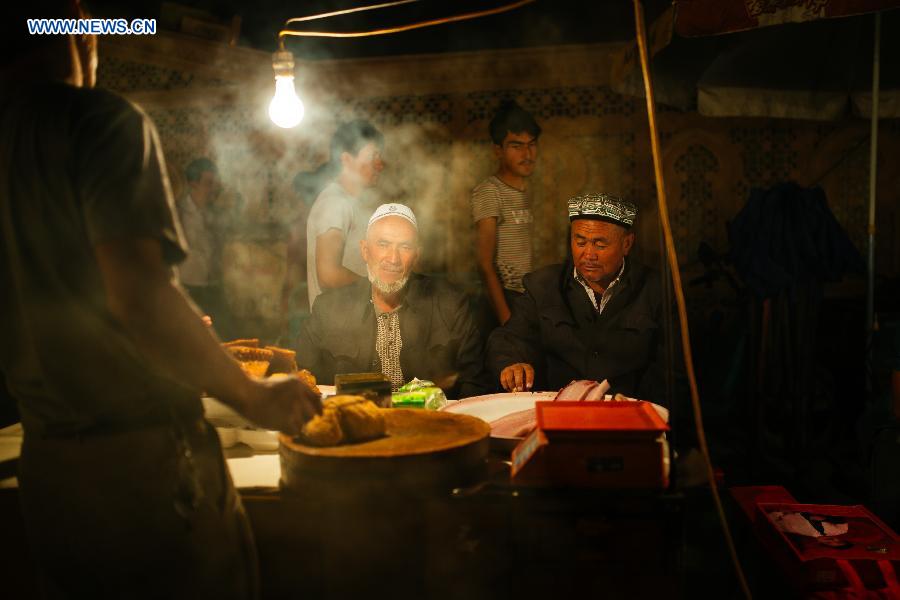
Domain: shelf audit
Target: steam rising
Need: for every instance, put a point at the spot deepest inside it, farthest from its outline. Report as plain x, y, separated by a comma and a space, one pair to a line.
259, 207
436, 150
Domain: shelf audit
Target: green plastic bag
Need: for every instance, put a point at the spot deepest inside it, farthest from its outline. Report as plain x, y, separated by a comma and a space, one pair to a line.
419, 393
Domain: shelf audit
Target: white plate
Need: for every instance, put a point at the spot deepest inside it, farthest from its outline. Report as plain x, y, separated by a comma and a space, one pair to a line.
494, 406
227, 436
259, 471
259, 439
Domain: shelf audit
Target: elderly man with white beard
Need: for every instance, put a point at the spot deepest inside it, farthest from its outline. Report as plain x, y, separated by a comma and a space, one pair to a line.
400, 323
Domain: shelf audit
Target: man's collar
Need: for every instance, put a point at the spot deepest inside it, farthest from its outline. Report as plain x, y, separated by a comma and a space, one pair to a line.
584, 282
521, 190
378, 311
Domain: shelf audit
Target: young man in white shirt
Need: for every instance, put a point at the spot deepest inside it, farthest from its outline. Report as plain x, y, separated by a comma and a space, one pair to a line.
338, 218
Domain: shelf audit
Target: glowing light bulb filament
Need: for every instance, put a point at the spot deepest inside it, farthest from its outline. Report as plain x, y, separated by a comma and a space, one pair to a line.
286, 109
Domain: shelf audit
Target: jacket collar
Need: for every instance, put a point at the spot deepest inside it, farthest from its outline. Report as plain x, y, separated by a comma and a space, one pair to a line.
569, 281
573, 304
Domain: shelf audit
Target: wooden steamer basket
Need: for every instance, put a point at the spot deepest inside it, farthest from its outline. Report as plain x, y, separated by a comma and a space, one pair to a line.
423, 452
377, 511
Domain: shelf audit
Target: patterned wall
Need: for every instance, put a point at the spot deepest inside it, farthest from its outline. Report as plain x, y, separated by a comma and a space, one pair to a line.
125, 76
594, 139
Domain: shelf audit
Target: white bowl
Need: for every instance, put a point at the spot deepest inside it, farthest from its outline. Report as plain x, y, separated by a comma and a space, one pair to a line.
259, 439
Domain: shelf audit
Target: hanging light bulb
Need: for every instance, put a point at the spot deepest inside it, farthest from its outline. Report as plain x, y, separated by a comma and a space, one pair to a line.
286, 109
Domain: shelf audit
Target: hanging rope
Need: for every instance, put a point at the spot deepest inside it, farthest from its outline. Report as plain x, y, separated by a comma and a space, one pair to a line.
679, 291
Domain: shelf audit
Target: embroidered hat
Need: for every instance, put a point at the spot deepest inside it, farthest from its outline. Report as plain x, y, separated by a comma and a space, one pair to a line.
604, 207
393, 210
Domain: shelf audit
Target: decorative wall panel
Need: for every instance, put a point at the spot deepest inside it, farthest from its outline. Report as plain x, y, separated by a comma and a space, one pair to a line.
437, 147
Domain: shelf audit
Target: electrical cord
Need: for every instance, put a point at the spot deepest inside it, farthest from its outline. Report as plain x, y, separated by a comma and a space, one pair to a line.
679, 292
389, 30
348, 11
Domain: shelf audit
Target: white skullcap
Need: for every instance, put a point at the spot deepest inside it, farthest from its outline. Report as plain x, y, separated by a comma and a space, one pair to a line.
393, 210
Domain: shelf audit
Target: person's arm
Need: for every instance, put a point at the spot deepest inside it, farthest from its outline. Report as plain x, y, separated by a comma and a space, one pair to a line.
329, 257
514, 349
166, 328
486, 233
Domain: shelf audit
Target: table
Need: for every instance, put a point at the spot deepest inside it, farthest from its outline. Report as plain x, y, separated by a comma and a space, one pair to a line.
492, 541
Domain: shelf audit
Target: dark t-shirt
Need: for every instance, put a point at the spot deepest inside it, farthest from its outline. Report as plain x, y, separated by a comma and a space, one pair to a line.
78, 167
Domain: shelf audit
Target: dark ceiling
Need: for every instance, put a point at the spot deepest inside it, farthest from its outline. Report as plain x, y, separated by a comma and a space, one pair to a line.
543, 23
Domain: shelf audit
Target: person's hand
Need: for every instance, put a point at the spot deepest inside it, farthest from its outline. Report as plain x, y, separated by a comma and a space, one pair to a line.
503, 315
517, 377
283, 402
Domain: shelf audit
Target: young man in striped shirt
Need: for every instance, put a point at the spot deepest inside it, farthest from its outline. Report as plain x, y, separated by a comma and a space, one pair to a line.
501, 208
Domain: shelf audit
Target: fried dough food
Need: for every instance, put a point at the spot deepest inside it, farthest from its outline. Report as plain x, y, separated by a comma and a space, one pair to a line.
261, 362
324, 429
345, 419
283, 360
361, 420
254, 361
307, 378
255, 368
251, 342
248, 353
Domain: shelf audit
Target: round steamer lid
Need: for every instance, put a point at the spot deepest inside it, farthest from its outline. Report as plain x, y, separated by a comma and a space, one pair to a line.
422, 451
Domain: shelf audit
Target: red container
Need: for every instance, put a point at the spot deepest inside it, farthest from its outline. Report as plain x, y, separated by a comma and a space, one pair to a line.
594, 444
822, 546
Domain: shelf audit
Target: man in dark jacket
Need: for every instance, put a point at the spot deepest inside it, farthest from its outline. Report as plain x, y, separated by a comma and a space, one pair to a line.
402, 324
596, 316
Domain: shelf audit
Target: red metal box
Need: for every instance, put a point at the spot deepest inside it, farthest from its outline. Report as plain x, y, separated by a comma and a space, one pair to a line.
594, 444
